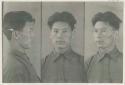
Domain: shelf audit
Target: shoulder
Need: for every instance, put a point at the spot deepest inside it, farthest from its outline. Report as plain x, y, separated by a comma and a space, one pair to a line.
120, 54
89, 61
13, 62
78, 58
45, 59
120, 57
13, 66
76, 55
14, 71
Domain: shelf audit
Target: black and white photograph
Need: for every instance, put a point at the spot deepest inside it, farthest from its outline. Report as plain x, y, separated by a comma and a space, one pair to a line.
21, 42
62, 42
104, 42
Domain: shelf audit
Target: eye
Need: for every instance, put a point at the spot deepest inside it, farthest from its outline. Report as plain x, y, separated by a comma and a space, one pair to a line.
31, 28
103, 30
64, 31
95, 30
56, 31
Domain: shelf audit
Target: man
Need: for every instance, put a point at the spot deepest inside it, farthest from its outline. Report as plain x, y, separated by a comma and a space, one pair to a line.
62, 65
18, 28
106, 66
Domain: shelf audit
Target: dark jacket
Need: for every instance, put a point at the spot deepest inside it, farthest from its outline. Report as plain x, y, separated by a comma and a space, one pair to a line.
63, 68
107, 68
18, 69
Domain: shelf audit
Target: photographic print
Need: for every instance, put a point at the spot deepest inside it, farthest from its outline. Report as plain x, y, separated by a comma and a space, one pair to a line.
62, 42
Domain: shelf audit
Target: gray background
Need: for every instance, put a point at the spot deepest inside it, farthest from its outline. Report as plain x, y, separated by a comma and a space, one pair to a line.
82, 42
33, 8
91, 8
77, 9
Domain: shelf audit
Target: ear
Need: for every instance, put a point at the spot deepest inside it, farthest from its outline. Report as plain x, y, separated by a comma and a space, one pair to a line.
116, 33
15, 34
73, 32
50, 34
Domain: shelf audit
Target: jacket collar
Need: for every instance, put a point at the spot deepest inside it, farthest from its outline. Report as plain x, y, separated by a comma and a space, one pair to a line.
113, 54
67, 55
19, 55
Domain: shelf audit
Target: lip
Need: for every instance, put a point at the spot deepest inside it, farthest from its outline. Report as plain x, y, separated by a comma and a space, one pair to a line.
60, 42
100, 42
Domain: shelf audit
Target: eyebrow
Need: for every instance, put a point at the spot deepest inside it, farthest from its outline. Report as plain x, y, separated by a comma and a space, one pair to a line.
60, 28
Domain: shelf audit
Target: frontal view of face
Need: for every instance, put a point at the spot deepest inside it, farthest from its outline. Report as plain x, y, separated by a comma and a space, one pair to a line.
104, 34
61, 34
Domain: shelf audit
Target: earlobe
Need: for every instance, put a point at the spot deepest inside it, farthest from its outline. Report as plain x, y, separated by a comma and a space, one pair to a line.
116, 35
50, 35
15, 34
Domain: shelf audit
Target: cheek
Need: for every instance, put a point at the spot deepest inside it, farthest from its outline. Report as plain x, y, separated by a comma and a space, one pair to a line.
68, 37
108, 35
95, 36
109, 39
27, 38
53, 37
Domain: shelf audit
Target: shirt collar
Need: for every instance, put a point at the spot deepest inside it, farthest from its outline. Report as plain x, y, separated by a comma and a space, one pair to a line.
20, 55
113, 54
67, 55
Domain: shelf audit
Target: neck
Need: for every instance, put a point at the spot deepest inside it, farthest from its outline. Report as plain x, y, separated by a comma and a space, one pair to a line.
107, 49
62, 50
16, 46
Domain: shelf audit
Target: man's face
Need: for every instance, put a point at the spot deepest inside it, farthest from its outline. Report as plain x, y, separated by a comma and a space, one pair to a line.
61, 34
26, 35
104, 34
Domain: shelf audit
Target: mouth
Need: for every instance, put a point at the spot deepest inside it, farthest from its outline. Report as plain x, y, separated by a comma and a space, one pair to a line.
100, 42
60, 42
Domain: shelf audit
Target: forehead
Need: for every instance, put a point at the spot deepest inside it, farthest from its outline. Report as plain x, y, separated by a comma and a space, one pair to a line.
102, 25
61, 25
30, 24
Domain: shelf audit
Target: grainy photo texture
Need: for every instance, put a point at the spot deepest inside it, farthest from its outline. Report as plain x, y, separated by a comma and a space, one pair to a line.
62, 42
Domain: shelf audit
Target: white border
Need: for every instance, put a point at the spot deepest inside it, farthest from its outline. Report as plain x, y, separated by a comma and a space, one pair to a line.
60, 83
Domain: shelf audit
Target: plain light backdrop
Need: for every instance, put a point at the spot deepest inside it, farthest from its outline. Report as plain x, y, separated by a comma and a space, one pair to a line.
91, 8
34, 8
77, 9
82, 42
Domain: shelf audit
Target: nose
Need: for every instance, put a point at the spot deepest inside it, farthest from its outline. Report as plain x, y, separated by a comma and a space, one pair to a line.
99, 35
32, 34
59, 35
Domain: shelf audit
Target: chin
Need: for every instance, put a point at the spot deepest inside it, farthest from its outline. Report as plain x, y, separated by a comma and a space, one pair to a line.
27, 47
61, 47
100, 46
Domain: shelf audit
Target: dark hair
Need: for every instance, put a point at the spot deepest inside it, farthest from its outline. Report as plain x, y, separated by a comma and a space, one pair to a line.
108, 17
64, 17
15, 20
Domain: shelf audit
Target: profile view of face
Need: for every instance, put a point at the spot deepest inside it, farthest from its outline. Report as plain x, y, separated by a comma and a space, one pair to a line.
25, 35
104, 34
61, 34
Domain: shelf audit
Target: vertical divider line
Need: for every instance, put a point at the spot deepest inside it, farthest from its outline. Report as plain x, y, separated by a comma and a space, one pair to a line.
2, 37
84, 30
41, 44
